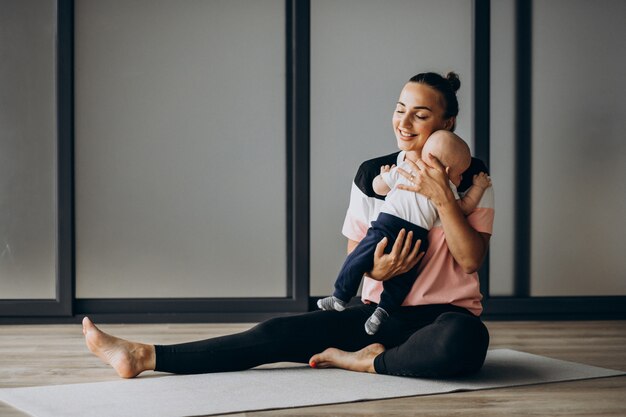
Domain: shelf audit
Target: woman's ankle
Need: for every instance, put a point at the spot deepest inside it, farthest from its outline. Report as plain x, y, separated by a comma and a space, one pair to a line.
147, 357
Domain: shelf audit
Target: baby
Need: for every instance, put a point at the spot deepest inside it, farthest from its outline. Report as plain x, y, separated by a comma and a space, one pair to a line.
403, 210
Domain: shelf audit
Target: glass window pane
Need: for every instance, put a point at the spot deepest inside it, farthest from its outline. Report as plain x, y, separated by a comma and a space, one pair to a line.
362, 53
502, 135
28, 214
578, 148
180, 148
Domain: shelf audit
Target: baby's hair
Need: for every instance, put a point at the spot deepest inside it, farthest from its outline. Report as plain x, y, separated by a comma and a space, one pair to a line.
447, 86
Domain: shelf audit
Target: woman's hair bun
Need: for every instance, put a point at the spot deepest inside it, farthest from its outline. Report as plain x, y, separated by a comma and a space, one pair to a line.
454, 81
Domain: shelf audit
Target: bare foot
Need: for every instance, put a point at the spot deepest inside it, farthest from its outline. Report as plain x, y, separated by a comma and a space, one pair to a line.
129, 359
360, 361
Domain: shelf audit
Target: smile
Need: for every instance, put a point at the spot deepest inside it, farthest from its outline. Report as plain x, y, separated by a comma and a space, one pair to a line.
406, 135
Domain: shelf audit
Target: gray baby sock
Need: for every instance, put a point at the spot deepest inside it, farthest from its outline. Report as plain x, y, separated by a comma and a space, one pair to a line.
331, 303
376, 319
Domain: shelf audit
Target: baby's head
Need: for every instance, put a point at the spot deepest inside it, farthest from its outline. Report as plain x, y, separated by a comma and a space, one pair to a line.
451, 150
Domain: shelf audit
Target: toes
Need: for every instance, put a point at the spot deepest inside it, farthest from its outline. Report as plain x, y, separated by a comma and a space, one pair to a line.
319, 364
320, 360
324, 365
89, 326
315, 360
86, 324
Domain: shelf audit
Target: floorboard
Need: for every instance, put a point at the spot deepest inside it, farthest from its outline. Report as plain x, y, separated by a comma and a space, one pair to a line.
55, 354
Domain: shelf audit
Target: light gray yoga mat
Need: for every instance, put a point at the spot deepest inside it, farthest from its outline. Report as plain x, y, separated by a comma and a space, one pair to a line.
262, 389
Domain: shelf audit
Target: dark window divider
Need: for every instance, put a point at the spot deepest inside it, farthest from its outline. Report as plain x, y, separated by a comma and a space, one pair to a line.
126, 318
66, 249
482, 103
523, 141
298, 131
184, 305
555, 308
548, 308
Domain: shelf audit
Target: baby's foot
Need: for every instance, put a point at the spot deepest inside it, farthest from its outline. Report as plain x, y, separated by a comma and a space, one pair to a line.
331, 303
376, 319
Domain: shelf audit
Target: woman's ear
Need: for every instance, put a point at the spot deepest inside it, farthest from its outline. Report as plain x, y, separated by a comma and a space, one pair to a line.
449, 124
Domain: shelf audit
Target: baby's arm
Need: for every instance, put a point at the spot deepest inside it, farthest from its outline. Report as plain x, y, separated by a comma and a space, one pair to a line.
379, 185
473, 195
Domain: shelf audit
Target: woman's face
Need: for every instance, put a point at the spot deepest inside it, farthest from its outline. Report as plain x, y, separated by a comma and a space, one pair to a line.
419, 112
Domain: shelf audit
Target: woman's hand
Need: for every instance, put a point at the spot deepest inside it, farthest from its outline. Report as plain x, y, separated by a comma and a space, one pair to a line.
429, 180
400, 260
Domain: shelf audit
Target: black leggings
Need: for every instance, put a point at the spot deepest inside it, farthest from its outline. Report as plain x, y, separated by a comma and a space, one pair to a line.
421, 341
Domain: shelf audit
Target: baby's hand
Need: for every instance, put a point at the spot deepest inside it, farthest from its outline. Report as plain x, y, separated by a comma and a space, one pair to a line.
386, 168
482, 180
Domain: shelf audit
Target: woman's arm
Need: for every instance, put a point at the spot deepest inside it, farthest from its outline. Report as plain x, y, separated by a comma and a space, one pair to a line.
351, 245
468, 247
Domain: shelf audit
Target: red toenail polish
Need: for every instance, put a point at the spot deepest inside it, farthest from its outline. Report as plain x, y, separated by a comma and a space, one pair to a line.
313, 364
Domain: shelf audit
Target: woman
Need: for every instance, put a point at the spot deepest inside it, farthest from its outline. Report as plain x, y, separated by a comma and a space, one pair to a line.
436, 333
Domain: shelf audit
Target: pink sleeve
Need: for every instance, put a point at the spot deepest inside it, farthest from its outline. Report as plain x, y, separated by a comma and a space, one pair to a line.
481, 219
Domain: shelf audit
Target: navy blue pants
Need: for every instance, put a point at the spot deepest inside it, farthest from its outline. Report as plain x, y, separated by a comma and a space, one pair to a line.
361, 261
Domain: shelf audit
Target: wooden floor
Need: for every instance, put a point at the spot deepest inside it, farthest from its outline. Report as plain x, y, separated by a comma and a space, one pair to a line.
55, 354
